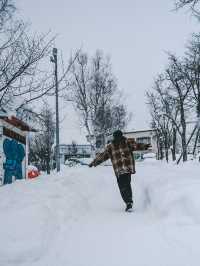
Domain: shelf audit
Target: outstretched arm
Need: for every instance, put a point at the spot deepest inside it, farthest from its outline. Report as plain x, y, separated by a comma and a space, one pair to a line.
100, 158
137, 146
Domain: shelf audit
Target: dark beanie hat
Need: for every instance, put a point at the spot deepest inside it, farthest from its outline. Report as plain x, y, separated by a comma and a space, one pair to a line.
117, 134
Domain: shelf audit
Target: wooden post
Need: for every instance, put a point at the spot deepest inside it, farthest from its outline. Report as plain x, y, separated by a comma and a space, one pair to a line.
26, 156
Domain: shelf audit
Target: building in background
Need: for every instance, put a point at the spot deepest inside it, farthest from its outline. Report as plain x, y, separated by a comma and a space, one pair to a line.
74, 150
144, 136
141, 136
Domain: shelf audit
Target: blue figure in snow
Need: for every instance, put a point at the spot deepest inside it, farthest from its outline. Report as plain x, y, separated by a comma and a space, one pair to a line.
15, 154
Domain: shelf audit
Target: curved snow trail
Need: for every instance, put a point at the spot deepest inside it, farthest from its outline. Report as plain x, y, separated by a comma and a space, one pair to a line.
77, 218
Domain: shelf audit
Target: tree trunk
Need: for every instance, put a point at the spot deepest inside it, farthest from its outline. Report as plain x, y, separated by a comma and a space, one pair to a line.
198, 124
174, 145
47, 162
166, 155
183, 135
195, 143
158, 147
161, 151
48, 166
184, 146
90, 138
166, 148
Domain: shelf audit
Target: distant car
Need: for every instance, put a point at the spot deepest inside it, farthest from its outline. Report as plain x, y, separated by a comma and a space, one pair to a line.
71, 162
33, 172
77, 161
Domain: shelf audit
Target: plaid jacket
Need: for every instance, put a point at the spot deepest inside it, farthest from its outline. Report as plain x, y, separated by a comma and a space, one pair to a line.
120, 155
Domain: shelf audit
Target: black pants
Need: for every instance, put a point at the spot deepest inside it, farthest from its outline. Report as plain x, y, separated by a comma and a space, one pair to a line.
124, 183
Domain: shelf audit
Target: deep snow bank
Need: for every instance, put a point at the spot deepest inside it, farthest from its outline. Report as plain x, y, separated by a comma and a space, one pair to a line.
71, 217
33, 212
169, 191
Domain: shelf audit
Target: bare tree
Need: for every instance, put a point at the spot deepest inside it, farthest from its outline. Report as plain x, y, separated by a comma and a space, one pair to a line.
20, 55
41, 145
21, 78
192, 73
156, 122
170, 114
192, 4
79, 89
180, 89
160, 122
93, 92
7, 9
170, 105
24, 76
102, 91
120, 116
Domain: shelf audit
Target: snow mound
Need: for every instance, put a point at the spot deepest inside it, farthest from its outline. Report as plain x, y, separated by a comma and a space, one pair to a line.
35, 212
172, 193
77, 218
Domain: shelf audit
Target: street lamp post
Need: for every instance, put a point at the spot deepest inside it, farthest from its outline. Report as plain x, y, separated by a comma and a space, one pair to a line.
54, 59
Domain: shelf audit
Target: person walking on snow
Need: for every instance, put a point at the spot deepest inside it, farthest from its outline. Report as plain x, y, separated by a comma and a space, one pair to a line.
119, 151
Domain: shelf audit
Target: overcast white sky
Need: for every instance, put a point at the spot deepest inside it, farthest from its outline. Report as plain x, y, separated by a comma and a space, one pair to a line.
135, 33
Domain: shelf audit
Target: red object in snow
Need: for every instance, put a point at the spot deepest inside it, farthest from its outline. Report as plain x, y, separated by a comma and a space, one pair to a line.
33, 173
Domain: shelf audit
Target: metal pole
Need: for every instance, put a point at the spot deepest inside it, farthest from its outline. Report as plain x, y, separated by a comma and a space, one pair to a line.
55, 60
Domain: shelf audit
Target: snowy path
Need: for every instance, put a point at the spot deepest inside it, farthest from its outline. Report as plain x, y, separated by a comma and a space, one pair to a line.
78, 219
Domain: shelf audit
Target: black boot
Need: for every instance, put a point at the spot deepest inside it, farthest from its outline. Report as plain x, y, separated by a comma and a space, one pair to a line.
129, 207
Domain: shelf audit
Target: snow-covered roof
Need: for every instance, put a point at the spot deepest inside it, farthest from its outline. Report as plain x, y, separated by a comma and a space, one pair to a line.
17, 123
139, 131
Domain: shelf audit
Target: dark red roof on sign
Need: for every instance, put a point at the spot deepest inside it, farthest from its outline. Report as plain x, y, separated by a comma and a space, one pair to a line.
18, 123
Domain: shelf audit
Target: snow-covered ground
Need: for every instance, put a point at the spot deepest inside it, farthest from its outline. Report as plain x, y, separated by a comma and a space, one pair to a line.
77, 218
